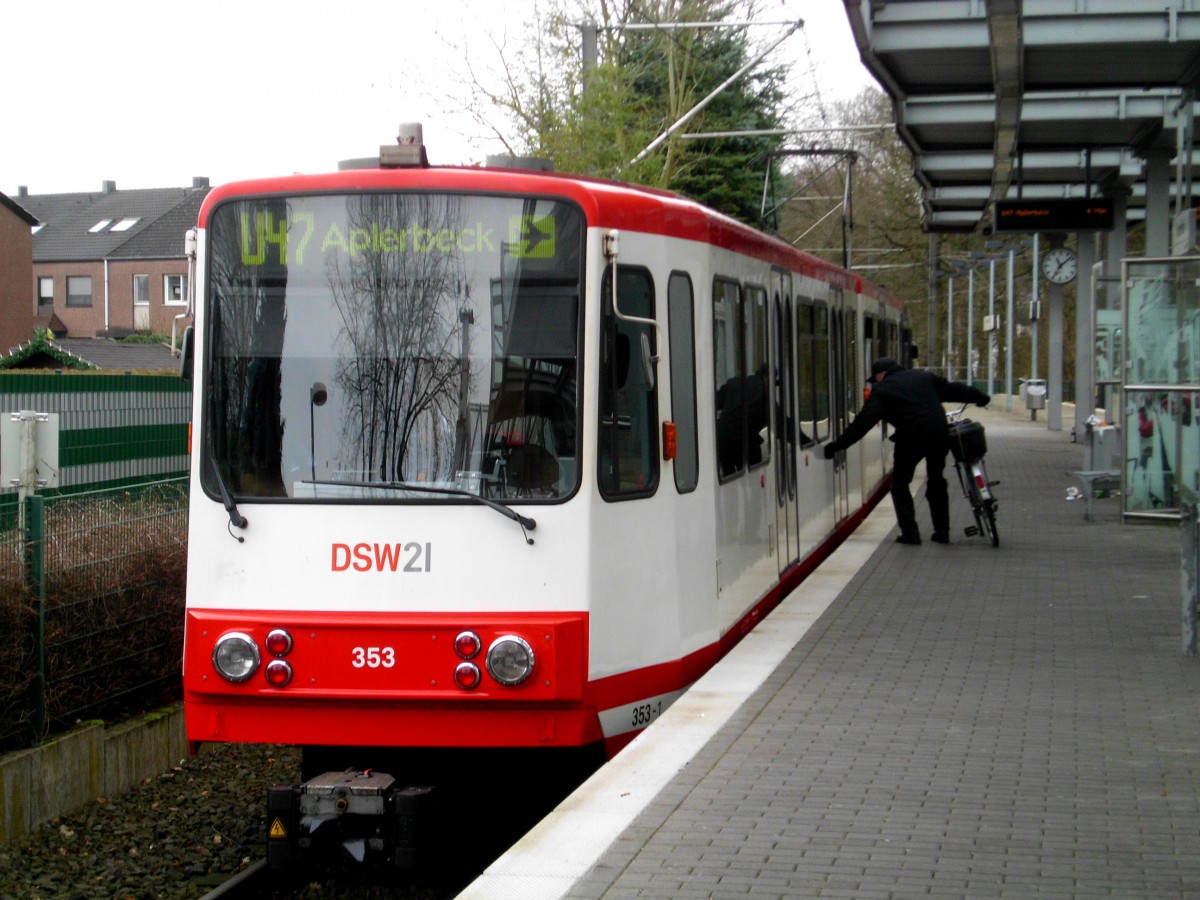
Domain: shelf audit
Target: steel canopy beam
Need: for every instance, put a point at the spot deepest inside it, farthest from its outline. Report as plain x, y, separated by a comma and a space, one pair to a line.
1004, 31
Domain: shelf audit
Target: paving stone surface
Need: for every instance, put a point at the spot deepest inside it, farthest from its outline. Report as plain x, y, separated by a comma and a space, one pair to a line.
964, 721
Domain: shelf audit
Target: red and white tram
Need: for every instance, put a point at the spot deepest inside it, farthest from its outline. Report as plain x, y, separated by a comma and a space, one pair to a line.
451, 490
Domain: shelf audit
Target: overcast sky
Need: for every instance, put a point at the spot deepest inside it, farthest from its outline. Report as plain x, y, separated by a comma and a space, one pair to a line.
150, 93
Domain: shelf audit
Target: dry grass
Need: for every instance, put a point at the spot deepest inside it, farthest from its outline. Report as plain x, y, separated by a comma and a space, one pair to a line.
18, 623
115, 566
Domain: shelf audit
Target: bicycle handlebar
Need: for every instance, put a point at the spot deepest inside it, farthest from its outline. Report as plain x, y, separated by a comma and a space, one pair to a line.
954, 414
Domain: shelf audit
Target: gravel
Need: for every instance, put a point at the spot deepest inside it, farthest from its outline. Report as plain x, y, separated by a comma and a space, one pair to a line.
178, 836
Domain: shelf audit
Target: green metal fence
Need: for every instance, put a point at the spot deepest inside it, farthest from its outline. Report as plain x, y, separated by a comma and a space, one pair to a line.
92, 594
17, 659
109, 430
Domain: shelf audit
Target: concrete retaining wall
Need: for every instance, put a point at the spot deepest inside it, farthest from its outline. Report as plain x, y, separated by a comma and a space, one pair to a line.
72, 770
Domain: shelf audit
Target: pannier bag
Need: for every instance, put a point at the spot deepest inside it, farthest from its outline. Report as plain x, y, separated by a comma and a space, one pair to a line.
967, 442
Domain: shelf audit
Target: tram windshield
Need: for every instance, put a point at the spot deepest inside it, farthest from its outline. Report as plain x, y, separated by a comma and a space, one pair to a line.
360, 342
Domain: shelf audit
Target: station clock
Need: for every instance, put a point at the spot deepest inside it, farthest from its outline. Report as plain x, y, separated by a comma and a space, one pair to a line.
1060, 266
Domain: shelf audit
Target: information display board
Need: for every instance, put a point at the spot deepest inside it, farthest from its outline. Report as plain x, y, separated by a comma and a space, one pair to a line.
1083, 214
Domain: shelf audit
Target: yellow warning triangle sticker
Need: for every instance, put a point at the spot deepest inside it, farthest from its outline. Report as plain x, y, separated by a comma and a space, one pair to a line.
277, 830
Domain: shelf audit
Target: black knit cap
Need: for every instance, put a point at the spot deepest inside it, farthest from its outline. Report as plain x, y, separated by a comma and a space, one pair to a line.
883, 364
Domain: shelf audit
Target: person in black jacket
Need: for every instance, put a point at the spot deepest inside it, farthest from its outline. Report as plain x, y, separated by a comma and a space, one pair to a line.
742, 413
910, 400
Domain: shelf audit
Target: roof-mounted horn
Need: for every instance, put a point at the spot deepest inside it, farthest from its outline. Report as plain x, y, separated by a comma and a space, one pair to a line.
408, 151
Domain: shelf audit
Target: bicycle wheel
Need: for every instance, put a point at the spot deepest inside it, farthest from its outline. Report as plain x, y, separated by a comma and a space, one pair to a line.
986, 517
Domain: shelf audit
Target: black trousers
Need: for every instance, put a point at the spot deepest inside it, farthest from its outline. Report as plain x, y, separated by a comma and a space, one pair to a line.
905, 459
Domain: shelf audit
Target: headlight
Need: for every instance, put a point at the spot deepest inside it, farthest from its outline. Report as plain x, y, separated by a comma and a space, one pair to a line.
235, 656
510, 659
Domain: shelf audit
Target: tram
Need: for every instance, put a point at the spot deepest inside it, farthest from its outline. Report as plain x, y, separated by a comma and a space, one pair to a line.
491, 459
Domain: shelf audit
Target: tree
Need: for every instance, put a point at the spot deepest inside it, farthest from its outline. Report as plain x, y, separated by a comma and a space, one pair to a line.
596, 122
886, 241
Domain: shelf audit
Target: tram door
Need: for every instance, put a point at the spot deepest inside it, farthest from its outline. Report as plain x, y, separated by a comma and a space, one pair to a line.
784, 411
841, 377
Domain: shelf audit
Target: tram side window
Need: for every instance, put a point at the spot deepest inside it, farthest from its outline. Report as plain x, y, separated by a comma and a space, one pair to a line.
727, 368
628, 450
681, 323
740, 376
907, 354
820, 383
852, 386
758, 439
806, 370
883, 346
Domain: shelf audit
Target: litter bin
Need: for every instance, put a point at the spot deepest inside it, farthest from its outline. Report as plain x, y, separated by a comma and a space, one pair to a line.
1034, 392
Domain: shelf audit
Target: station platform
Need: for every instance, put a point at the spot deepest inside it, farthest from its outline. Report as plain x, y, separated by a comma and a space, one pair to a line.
946, 721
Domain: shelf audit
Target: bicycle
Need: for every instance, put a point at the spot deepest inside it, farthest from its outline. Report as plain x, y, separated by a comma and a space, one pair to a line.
968, 446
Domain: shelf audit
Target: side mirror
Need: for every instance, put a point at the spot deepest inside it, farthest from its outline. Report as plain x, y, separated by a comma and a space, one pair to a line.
186, 353
647, 361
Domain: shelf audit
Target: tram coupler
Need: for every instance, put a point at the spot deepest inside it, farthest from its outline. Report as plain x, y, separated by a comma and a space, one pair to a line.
362, 813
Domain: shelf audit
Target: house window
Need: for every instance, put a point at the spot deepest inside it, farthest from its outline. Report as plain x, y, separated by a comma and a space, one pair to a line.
100, 226
79, 290
175, 290
125, 224
141, 290
45, 292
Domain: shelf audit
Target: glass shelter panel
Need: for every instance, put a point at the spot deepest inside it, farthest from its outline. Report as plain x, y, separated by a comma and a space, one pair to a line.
1162, 442
1163, 318
1161, 383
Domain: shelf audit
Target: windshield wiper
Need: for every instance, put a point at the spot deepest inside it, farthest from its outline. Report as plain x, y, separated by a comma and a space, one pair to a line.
236, 519
526, 523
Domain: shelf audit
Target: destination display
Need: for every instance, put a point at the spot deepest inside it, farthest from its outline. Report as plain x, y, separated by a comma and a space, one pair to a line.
1075, 214
289, 239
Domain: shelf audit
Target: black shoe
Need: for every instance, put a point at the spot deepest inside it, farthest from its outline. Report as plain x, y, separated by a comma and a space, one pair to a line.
909, 539
940, 537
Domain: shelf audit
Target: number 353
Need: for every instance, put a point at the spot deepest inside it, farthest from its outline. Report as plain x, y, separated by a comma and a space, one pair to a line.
373, 657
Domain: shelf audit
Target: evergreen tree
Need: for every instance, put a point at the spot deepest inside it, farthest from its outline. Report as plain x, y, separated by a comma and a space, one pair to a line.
596, 122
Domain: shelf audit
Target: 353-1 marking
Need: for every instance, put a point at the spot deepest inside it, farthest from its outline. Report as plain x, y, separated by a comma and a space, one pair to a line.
645, 713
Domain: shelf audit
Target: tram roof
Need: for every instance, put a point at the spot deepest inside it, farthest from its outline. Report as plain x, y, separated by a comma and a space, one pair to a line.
606, 204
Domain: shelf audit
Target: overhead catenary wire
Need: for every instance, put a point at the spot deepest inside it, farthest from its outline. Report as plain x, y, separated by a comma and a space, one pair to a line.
795, 194
785, 132
812, 71
816, 223
687, 116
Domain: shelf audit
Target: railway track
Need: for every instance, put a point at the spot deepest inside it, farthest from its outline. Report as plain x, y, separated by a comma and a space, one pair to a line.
253, 881
441, 879
260, 882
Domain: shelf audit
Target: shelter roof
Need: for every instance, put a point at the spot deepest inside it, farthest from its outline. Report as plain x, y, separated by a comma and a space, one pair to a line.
1037, 99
